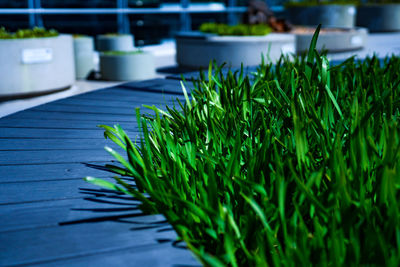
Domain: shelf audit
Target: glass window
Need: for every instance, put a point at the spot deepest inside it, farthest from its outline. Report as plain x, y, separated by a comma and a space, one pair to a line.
143, 3
151, 29
13, 3
14, 22
78, 3
81, 24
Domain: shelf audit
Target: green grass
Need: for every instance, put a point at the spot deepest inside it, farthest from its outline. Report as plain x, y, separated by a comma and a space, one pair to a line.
235, 30
27, 33
296, 165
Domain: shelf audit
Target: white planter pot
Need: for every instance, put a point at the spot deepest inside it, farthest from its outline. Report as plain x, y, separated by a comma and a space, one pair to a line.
36, 65
84, 56
123, 42
127, 67
195, 50
340, 41
327, 15
379, 17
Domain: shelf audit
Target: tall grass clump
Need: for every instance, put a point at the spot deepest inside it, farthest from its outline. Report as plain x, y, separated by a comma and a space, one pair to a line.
296, 165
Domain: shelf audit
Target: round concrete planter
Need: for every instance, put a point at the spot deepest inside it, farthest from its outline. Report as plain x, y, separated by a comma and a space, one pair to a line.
327, 15
336, 41
36, 65
84, 56
127, 67
195, 50
379, 17
115, 42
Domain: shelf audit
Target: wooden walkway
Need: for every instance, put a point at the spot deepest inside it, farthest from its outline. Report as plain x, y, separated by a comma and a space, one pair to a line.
49, 216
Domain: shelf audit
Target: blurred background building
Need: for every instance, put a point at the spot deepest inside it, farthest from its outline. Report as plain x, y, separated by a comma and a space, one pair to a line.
149, 21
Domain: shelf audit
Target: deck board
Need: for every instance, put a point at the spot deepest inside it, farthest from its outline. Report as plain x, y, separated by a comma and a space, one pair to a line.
52, 243
99, 205
48, 214
95, 133
43, 172
58, 124
53, 156
35, 144
154, 256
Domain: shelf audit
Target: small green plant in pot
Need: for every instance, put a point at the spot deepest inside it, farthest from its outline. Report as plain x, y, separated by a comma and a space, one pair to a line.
127, 65
84, 55
35, 61
27, 33
235, 30
233, 45
297, 165
115, 42
340, 13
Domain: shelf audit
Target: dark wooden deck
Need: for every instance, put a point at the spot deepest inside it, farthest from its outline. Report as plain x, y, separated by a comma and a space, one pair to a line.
49, 215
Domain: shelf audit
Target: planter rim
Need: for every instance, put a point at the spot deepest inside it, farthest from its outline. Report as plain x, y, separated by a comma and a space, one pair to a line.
233, 38
104, 54
346, 30
82, 37
113, 36
318, 5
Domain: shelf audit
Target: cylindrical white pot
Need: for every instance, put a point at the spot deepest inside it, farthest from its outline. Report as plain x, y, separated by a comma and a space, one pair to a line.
327, 15
195, 50
36, 65
336, 41
84, 56
127, 67
115, 42
379, 17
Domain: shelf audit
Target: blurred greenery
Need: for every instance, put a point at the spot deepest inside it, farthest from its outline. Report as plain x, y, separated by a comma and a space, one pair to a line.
237, 30
27, 33
122, 53
297, 164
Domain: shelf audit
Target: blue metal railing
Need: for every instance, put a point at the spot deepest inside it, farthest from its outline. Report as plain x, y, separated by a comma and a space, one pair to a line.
122, 10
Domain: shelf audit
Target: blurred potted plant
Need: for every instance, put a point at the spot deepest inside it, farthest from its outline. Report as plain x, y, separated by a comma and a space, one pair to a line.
338, 13
83, 54
35, 61
234, 45
115, 42
127, 65
379, 15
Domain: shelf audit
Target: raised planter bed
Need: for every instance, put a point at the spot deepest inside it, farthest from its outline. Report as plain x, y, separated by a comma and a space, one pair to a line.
331, 39
326, 15
36, 65
127, 66
379, 17
83, 53
195, 49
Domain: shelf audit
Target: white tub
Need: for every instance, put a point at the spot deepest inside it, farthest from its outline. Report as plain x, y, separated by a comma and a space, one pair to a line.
36, 65
195, 50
